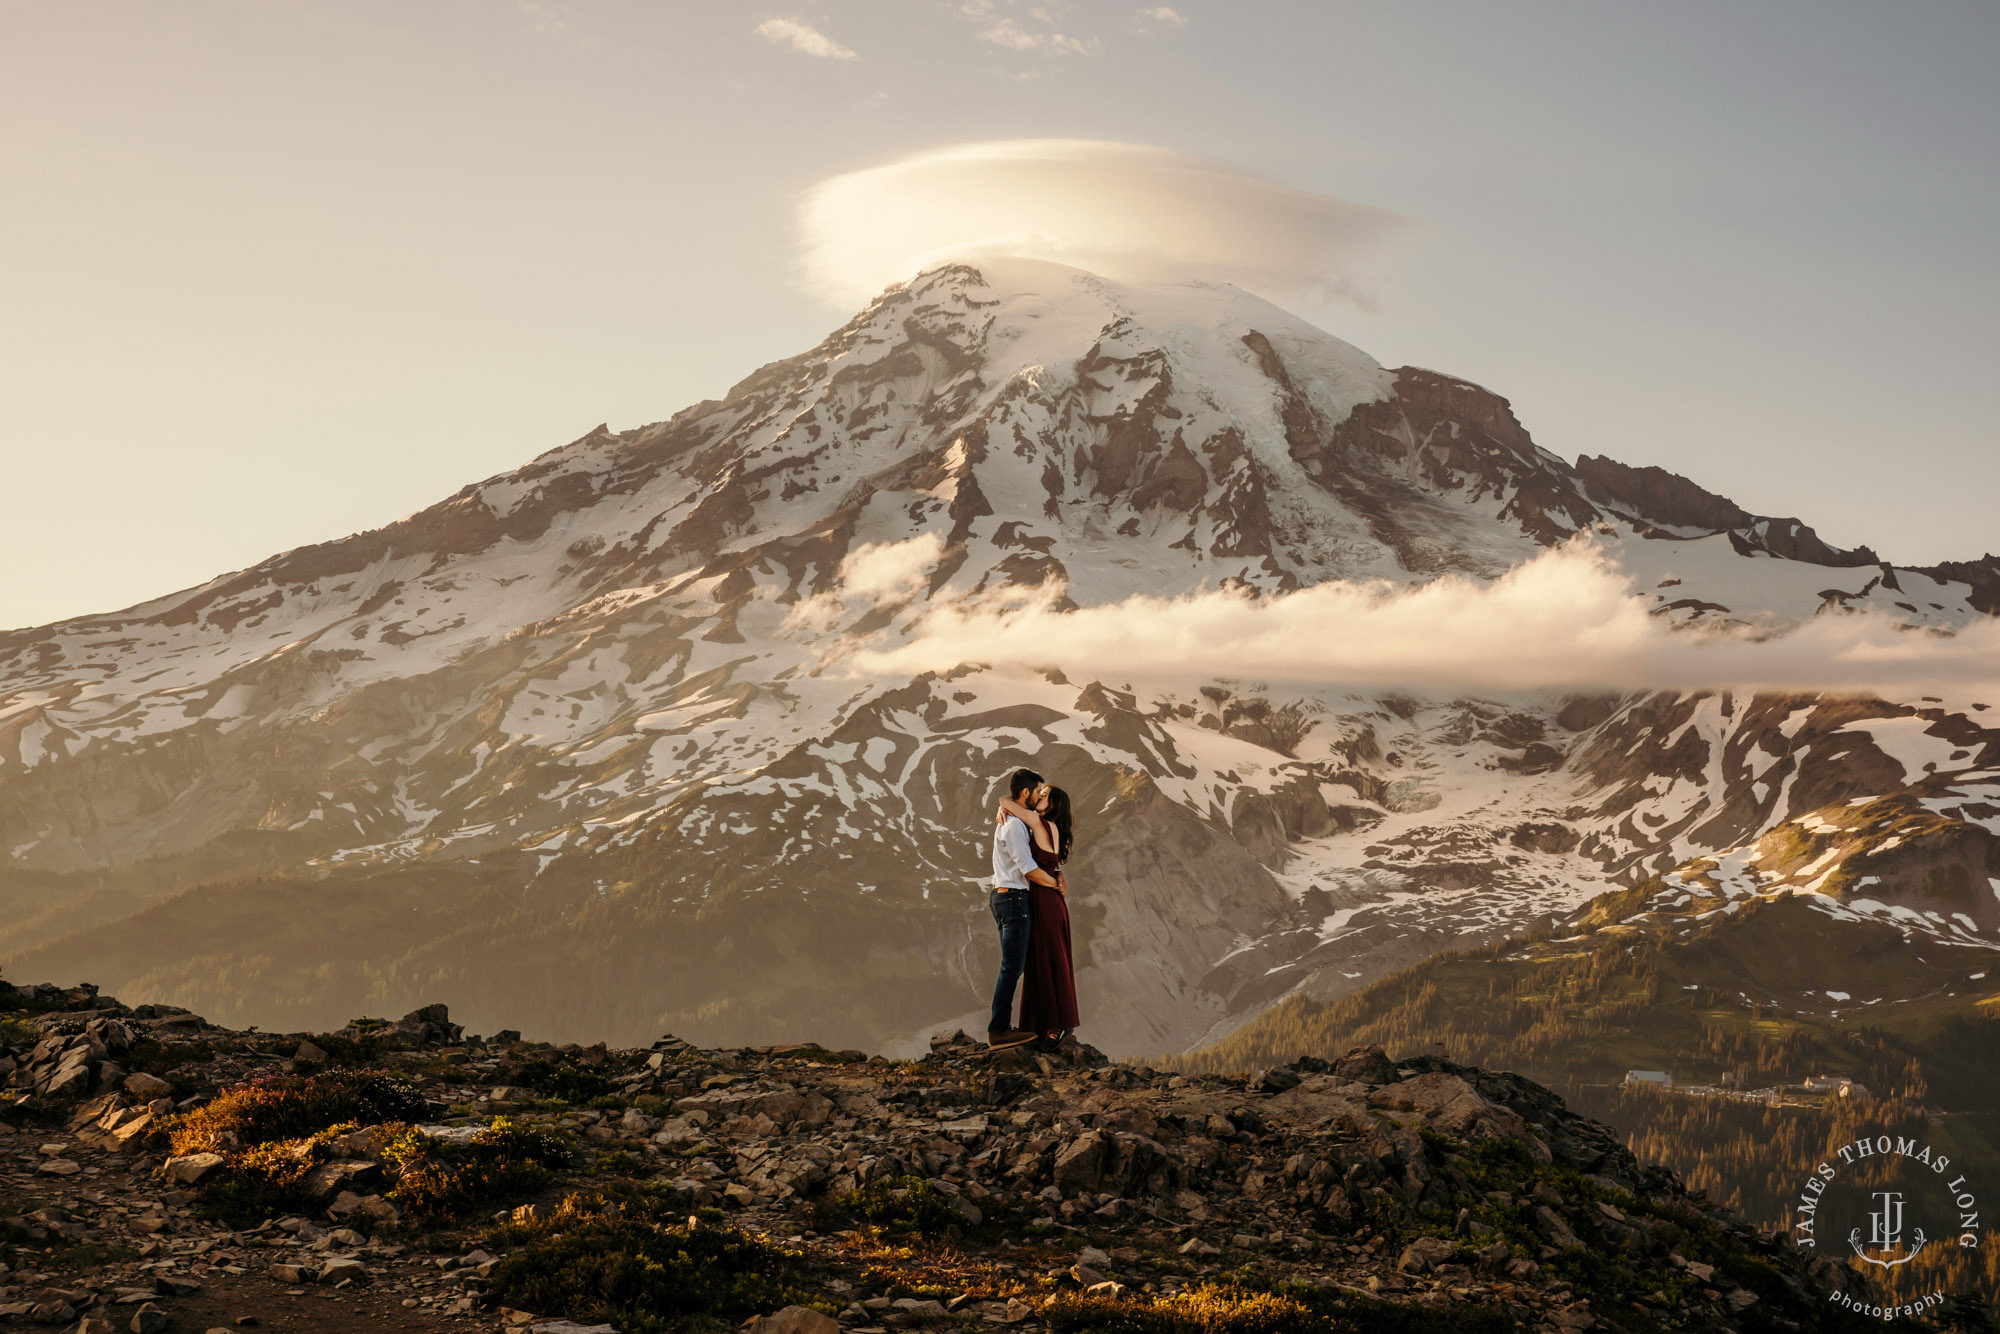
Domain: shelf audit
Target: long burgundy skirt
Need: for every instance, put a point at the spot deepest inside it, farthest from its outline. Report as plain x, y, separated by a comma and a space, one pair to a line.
1048, 988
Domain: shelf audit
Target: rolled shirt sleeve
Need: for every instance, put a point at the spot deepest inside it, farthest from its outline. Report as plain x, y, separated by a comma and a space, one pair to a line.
1013, 855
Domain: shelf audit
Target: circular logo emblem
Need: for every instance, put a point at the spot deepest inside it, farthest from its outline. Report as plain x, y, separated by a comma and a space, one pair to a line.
1879, 1202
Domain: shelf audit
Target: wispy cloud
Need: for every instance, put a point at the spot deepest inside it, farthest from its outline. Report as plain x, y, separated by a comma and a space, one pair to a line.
1014, 37
1035, 30
1126, 211
1570, 619
800, 36
1161, 18
539, 16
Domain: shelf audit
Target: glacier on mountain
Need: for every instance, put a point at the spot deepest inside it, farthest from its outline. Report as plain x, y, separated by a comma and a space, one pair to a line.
601, 696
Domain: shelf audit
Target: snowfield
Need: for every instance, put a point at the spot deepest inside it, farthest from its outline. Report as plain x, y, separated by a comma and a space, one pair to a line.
628, 663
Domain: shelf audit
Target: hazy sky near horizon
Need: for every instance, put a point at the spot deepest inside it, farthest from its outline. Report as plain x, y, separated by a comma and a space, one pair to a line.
275, 271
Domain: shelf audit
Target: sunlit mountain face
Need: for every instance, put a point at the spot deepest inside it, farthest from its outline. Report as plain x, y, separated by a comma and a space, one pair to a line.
586, 747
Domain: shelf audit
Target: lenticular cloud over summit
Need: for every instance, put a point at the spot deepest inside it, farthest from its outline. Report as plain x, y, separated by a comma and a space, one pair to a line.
1126, 211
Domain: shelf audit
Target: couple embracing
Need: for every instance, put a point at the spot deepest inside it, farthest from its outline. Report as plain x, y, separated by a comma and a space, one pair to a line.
1032, 838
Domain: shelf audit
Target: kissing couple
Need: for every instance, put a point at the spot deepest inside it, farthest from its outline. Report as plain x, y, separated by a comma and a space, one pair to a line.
1032, 838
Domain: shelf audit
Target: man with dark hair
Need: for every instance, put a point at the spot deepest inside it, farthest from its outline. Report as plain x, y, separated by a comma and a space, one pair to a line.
1014, 870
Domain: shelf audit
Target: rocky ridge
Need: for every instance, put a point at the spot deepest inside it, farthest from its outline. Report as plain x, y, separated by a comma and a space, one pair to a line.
963, 1189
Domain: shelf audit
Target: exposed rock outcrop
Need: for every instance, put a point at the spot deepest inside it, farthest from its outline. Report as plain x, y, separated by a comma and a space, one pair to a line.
1070, 1189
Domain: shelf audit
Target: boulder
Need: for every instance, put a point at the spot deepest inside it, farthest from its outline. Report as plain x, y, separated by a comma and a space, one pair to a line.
168, 1018
191, 1167
1425, 1254
70, 1077
114, 1036
636, 1122
363, 1145
146, 1087
432, 1023
130, 1132
793, 1320
102, 1111
1449, 1104
425, 1026
1366, 1065
1080, 1163
340, 1176
1551, 1225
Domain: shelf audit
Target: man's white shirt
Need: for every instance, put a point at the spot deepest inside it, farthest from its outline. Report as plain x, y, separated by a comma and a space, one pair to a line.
1013, 854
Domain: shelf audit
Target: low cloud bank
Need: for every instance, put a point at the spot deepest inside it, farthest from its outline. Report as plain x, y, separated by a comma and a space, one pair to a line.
1568, 620
1126, 211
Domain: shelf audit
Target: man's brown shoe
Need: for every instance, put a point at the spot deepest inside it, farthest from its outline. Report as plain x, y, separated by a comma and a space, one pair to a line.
1002, 1039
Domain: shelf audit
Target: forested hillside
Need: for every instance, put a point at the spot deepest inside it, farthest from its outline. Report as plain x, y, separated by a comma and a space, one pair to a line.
1576, 1013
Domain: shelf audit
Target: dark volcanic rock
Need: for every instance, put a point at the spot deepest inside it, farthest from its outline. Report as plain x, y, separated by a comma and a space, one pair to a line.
1340, 1178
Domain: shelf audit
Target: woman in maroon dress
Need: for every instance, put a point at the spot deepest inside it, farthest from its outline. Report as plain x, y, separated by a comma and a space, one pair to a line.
1048, 988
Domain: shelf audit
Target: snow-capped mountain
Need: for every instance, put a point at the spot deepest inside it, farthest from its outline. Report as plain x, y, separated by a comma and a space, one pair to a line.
582, 732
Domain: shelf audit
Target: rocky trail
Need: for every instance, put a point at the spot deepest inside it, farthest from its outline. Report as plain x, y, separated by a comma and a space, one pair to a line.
158, 1173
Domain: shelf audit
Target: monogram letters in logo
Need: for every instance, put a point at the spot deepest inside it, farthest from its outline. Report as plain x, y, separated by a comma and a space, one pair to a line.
1885, 1233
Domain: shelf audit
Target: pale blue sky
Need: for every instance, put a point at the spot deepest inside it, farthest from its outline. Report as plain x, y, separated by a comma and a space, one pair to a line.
280, 270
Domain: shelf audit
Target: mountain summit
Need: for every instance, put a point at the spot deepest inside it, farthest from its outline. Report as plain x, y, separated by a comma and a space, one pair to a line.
560, 740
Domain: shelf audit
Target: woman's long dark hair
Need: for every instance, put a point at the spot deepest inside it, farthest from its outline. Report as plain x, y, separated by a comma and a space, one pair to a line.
1058, 817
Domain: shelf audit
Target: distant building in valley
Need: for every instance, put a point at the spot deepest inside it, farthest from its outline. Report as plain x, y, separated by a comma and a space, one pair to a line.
1838, 1086
1657, 1078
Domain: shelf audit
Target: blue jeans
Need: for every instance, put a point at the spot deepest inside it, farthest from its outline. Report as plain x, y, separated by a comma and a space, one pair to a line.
1010, 914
